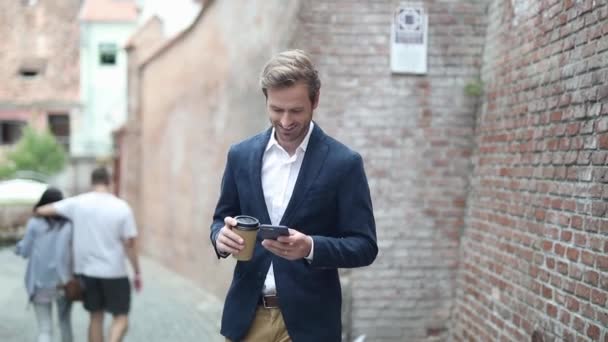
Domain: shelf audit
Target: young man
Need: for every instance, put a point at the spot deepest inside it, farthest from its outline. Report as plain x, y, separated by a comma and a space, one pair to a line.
104, 236
294, 175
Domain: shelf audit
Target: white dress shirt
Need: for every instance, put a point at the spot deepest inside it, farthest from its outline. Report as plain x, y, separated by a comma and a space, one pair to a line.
279, 174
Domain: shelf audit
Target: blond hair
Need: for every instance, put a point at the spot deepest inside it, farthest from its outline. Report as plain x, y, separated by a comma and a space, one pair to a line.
287, 68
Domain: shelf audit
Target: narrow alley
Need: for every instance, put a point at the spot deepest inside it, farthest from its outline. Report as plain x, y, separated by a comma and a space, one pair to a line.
169, 308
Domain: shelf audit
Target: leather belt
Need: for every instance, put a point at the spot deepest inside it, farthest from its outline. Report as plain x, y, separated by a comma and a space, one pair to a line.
269, 302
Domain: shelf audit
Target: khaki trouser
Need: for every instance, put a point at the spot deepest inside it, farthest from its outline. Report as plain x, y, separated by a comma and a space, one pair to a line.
267, 326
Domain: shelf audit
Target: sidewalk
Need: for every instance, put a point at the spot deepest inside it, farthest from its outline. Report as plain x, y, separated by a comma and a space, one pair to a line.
170, 308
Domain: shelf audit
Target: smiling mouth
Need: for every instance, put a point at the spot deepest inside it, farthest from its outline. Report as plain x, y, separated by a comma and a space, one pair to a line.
288, 131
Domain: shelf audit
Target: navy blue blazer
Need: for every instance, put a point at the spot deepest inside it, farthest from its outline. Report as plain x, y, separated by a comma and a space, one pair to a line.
330, 202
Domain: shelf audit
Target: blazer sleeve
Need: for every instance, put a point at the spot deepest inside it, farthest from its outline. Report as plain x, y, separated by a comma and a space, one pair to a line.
227, 204
356, 246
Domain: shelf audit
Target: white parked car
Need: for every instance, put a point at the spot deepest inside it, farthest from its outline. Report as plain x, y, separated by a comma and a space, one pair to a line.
21, 191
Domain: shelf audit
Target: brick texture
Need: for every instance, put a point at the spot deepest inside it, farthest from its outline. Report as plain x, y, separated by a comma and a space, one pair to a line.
491, 226
534, 248
144, 42
44, 35
47, 31
416, 136
414, 132
193, 97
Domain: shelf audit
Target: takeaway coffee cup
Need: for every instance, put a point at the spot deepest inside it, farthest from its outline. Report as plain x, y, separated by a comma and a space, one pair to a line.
246, 227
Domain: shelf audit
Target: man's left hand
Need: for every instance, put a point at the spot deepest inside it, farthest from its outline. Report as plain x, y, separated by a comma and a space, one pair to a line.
293, 247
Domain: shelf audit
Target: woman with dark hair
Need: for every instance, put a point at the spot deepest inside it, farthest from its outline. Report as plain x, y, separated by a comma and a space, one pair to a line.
47, 245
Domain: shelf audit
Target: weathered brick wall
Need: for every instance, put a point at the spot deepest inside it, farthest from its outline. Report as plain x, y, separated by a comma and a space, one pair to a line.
140, 47
415, 132
47, 30
416, 136
198, 95
534, 248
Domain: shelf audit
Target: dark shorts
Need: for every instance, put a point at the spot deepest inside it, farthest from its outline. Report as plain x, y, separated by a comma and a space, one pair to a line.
107, 294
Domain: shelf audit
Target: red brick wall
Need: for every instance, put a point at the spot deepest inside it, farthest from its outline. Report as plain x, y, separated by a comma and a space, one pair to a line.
416, 136
534, 251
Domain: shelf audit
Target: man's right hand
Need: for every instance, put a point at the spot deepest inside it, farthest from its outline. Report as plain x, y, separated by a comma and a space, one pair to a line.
227, 240
137, 282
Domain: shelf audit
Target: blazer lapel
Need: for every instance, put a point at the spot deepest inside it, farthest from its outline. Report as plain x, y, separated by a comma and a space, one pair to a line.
255, 165
315, 155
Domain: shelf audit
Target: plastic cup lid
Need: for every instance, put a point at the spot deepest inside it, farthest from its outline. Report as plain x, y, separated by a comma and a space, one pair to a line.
245, 222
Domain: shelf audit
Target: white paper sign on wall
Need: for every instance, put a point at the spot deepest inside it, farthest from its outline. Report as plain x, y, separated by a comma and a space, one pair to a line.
409, 39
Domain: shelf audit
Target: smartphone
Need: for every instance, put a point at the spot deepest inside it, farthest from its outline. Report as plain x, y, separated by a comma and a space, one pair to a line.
270, 232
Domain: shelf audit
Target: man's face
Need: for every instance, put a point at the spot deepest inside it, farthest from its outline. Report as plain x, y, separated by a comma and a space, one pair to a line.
290, 112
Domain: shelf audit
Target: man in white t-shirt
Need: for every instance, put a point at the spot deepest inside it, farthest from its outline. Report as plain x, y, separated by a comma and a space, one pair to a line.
104, 237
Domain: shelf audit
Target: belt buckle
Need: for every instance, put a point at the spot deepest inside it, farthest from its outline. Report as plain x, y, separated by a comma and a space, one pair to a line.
266, 306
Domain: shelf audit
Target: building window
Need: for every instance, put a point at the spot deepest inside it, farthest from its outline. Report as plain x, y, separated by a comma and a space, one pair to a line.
32, 67
29, 72
10, 131
107, 54
59, 125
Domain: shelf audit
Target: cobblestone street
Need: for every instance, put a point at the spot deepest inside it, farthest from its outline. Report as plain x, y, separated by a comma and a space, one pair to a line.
170, 308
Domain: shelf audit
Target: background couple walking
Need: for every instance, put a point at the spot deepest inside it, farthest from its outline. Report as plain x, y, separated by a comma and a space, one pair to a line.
86, 237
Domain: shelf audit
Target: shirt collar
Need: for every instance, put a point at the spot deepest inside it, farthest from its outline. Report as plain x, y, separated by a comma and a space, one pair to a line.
303, 145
